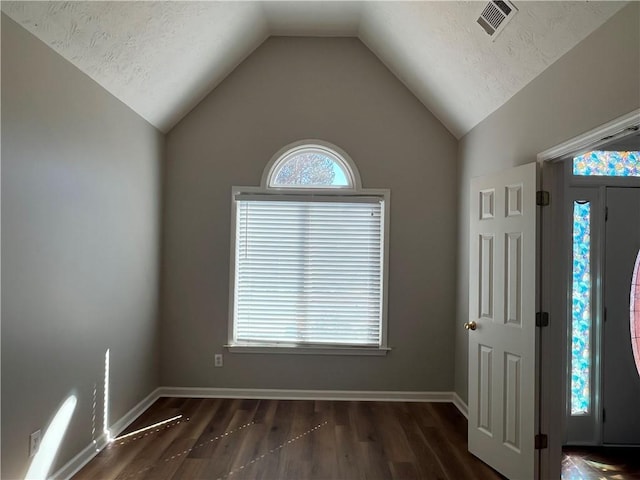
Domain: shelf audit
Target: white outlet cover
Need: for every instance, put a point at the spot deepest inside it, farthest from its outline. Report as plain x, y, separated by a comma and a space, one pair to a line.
217, 359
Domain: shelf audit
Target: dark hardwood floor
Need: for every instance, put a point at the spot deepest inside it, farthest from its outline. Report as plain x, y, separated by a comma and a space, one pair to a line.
600, 463
278, 439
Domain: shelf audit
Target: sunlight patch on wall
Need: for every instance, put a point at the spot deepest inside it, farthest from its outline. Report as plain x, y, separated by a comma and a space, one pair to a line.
42, 461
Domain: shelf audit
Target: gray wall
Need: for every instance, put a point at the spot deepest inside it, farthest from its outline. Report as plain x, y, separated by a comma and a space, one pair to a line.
336, 90
597, 81
80, 248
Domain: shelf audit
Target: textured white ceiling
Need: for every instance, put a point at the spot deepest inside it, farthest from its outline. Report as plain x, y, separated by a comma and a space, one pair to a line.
161, 58
448, 61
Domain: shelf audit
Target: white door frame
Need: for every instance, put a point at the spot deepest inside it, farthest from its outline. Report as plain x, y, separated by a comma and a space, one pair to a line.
553, 366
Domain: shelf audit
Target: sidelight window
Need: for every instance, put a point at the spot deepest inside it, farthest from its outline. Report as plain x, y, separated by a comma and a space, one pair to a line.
581, 309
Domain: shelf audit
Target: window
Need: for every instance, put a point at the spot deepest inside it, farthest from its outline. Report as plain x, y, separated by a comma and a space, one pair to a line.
607, 163
309, 254
581, 309
310, 166
595, 167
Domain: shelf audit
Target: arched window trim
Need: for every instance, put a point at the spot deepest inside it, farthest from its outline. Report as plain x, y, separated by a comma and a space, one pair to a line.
334, 152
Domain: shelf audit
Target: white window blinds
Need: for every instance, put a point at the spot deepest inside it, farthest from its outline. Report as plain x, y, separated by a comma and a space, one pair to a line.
308, 271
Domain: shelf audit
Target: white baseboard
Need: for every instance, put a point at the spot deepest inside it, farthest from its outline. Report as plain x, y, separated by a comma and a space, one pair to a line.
74, 465
135, 412
88, 453
278, 394
461, 405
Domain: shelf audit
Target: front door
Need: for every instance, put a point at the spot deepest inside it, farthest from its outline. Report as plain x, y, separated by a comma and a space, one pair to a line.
502, 331
621, 381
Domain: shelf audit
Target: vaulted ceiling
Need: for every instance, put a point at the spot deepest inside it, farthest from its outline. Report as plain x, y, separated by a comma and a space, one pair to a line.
161, 58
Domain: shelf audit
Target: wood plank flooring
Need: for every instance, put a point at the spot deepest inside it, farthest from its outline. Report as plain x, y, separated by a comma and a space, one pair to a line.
601, 463
286, 439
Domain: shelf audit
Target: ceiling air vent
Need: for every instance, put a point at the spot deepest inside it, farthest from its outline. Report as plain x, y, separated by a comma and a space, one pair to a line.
495, 16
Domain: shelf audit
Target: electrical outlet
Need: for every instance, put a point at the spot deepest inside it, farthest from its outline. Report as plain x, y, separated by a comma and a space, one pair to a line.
217, 360
34, 443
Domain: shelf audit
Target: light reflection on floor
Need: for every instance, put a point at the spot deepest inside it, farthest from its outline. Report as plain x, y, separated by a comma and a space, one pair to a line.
601, 464
143, 432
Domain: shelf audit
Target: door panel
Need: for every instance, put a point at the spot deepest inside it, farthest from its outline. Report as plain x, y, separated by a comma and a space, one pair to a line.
486, 276
621, 382
512, 400
502, 366
513, 284
485, 405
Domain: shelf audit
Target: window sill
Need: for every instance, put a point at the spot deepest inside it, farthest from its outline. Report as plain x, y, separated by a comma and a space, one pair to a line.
308, 350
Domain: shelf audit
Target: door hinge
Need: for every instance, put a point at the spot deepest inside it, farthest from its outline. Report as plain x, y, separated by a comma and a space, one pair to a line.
542, 198
606, 213
604, 314
542, 319
541, 441
604, 415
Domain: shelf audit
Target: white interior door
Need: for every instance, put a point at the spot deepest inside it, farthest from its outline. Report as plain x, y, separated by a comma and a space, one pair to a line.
502, 355
621, 381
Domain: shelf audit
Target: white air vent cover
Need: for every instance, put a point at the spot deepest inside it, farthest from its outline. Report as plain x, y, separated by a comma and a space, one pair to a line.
495, 16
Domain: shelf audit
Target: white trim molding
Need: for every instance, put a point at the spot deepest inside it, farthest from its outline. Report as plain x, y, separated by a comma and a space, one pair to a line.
593, 137
74, 465
135, 412
461, 405
279, 394
315, 350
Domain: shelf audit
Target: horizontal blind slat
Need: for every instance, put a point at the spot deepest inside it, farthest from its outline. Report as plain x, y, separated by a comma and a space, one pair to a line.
308, 272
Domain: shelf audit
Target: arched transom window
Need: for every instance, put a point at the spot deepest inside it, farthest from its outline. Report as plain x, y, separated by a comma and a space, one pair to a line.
311, 165
309, 257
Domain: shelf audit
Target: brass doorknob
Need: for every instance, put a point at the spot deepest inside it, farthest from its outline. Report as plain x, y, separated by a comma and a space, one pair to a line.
470, 325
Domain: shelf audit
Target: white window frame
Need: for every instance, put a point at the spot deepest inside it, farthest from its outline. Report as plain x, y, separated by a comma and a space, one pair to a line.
311, 192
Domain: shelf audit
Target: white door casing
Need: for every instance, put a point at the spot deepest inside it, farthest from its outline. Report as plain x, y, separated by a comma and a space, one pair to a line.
502, 303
